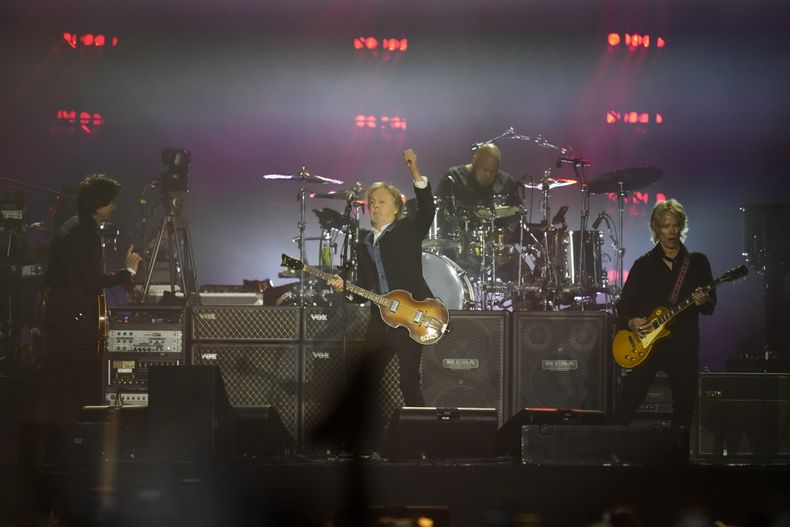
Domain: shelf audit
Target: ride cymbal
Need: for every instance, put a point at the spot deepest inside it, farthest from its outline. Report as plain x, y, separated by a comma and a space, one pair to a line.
630, 178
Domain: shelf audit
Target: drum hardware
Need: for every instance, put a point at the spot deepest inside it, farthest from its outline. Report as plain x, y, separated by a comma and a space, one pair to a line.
620, 182
444, 232
303, 177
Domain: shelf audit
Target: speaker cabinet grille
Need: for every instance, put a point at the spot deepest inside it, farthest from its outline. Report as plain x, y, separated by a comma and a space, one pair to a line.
561, 360
743, 417
324, 323
245, 323
467, 367
327, 373
256, 375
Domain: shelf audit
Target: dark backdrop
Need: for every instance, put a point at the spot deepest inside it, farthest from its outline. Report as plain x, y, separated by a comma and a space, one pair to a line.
267, 87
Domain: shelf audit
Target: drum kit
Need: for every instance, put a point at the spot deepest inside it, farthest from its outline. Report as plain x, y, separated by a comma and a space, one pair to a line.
487, 255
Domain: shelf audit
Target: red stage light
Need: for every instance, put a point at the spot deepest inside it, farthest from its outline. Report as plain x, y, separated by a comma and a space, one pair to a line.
67, 121
70, 39
88, 40
384, 122
633, 41
389, 45
615, 117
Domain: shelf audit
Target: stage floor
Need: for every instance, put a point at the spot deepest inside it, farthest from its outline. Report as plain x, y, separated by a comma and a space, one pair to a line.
323, 490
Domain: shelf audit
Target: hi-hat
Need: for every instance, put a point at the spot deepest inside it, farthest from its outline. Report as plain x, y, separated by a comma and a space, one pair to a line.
629, 178
303, 176
551, 182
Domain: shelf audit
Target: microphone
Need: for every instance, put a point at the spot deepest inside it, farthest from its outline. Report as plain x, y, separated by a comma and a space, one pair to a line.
451, 178
576, 161
598, 220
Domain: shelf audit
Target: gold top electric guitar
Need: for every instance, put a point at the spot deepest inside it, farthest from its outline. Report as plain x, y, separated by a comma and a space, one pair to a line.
630, 350
426, 320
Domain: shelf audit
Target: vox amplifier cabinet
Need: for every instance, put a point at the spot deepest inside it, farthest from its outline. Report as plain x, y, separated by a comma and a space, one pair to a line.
742, 418
226, 323
138, 338
332, 323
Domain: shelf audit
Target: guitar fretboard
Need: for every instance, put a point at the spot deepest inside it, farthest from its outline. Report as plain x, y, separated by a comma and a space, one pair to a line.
686, 303
353, 288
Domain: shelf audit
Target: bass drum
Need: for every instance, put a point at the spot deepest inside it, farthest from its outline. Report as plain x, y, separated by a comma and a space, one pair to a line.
447, 281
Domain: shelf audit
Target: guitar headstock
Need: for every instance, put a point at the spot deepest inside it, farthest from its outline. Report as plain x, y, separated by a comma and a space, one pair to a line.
292, 263
734, 274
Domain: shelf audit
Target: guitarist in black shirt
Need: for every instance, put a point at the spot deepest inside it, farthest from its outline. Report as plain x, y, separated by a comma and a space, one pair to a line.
75, 282
663, 277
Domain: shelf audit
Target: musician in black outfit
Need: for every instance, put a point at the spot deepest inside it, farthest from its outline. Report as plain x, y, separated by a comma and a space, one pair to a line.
74, 280
650, 284
477, 182
388, 258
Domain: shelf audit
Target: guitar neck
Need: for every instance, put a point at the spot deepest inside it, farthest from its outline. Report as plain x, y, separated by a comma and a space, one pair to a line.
353, 288
686, 303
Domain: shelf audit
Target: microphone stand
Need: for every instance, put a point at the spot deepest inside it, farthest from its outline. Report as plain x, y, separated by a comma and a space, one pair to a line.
578, 168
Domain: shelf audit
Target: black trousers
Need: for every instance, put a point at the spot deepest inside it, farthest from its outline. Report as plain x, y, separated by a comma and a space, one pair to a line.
682, 371
359, 421
72, 373
380, 351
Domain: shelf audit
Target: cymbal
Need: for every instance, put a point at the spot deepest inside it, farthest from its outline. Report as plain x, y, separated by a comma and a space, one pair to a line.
631, 179
304, 177
345, 195
552, 182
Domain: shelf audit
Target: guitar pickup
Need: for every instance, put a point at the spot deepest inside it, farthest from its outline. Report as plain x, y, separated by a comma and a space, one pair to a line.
394, 306
418, 317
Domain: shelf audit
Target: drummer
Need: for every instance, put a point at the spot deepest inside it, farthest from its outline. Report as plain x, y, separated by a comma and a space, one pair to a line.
475, 184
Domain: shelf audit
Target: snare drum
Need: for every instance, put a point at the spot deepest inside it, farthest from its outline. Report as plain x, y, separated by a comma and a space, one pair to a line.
447, 281
501, 206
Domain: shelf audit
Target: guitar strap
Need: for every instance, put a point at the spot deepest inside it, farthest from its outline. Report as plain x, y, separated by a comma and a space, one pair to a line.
679, 282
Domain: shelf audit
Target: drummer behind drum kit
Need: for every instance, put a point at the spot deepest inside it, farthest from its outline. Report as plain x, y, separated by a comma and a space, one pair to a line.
485, 255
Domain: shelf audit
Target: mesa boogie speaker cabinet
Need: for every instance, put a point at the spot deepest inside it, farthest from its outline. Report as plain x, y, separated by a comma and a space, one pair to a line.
468, 367
561, 360
742, 417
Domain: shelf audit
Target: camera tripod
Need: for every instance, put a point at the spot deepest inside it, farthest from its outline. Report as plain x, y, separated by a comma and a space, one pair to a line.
178, 246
